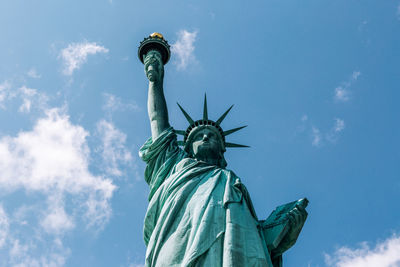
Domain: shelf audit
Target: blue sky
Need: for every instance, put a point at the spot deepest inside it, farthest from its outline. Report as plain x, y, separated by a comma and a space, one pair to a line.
316, 81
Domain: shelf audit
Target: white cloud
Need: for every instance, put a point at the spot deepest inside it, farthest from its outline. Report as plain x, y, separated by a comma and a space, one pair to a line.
55, 220
52, 158
316, 136
21, 214
183, 48
333, 135
30, 96
22, 255
384, 254
319, 137
33, 73
51, 164
4, 93
303, 126
113, 148
76, 54
339, 125
342, 92
114, 103
355, 75
4, 226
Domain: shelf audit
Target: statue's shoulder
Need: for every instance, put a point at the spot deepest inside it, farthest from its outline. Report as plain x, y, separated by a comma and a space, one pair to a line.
230, 173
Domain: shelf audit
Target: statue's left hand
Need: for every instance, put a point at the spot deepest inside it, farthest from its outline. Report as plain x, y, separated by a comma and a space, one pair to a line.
297, 218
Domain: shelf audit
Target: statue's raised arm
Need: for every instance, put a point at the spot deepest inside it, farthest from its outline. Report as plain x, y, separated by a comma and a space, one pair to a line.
154, 53
156, 105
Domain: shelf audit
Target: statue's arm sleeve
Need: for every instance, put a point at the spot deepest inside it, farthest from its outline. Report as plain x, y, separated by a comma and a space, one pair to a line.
160, 155
157, 110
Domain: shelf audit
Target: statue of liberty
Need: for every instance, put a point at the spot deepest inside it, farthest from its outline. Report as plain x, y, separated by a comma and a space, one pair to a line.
200, 213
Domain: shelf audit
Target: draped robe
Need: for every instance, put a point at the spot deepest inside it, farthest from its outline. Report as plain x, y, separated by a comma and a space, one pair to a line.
198, 214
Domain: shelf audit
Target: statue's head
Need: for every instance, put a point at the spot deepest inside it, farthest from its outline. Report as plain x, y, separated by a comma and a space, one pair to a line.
206, 142
205, 139
153, 66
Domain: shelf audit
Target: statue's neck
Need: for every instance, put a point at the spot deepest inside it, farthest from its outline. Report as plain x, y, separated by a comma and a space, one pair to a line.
208, 160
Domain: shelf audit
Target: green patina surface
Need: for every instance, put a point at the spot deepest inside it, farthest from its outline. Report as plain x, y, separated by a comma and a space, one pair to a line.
199, 213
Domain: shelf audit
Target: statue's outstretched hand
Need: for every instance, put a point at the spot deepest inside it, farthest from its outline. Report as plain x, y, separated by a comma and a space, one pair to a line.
297, 218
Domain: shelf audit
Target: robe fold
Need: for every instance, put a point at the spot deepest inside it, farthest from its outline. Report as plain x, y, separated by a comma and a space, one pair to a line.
198, 214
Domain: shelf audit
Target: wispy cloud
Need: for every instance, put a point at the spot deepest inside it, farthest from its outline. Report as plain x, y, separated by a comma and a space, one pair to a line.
51, 163
339, 125
53, 158
4, 93
4, 226
31, 97
183, 48
23, 254
33, 73
320, 136
114, 103
355, 75
55, 219
333, 135
75, 55
384, 254
342, 92
316, 136
113, 150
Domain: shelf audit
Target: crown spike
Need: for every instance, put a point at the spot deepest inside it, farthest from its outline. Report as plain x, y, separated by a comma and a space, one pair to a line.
205, 112
223, 116
233, 130
189, 119
234, 145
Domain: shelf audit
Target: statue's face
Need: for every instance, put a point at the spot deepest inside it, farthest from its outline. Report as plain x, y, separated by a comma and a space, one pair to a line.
206, 143
153, 66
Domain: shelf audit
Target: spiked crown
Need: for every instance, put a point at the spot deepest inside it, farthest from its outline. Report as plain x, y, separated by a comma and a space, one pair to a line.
194, 125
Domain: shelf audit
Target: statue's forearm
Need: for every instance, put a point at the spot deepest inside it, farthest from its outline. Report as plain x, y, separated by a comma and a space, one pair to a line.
157, 109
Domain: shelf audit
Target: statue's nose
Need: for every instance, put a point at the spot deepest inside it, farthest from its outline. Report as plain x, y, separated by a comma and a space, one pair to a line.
205, 137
